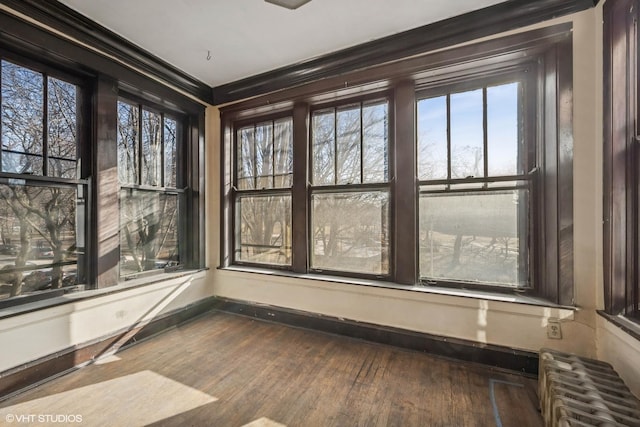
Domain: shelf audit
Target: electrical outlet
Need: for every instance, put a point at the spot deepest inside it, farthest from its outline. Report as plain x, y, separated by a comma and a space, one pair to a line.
554, 331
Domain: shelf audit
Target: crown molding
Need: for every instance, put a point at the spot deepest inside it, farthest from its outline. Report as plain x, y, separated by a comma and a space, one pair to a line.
485, 22
60, 17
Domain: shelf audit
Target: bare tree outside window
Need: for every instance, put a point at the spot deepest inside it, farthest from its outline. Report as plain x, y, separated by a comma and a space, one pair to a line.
22, 119
264, 172
149, 200
62, 128
128, 142
38, 220
350, 221
474, 196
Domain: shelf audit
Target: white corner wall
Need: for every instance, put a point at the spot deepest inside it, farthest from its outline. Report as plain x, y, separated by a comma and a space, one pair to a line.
621, 350
28, 337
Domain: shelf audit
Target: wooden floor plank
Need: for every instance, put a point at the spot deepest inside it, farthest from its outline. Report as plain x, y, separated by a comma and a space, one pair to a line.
240, 371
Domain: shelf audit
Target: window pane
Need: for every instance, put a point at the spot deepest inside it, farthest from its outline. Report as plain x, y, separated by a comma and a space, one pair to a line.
22, 119
375, 143
502, 130
323, 146
263, 229
474, 237
348, 155
62, 128
467, 135
128, 127
148, 231
283, 152
170, 156
151, 148
38, 247
264, 155
246, 158
351, 232
432, 138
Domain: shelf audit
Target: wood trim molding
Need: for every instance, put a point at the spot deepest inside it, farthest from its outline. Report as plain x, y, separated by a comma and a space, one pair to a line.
21, 378
523, 362
619, 71
459, 29
62, 18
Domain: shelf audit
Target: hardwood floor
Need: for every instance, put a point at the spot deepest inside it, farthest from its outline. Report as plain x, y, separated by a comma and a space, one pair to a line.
229, 370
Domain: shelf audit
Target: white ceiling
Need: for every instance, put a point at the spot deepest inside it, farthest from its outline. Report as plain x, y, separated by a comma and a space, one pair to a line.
248, 37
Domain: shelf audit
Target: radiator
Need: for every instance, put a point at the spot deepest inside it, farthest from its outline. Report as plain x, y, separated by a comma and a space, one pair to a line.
576, 391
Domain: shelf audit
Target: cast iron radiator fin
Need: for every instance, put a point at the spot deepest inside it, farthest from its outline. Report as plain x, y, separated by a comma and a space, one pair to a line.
576, 391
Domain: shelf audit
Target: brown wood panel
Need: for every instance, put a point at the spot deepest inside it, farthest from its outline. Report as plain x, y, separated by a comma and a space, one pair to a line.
106, 203
619, 68
260, 370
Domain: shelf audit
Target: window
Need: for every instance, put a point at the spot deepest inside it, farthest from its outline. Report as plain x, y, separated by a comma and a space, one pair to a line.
621, 150
99, 170
42, 187
150, 200
264, 176
350, 193
475, 186
448, 169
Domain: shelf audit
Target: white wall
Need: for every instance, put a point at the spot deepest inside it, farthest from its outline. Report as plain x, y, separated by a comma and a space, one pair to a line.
27, 337
621, 350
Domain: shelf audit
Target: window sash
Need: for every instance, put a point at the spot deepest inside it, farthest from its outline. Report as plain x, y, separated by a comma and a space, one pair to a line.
45, 123
273, 212
144, 135
149, 224
336, 133
247, 156
140, 137
486, 89
343, 252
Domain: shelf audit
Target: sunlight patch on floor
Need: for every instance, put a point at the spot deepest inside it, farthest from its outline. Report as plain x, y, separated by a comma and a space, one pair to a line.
107, 359
133, 400
264, 422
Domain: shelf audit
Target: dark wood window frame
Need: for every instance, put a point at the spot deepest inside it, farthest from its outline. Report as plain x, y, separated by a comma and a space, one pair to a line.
103, 80
529, 178
548, 49
621, 189
336, 188
81, 182
237, 194
179, 190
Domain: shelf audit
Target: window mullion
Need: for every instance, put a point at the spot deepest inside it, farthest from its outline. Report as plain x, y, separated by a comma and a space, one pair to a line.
448, 136
162, 151
45, 128
300, 197
254, 157
335, 145
273, 154
1, 112
361, 144
485, 133
139, 144
403, 187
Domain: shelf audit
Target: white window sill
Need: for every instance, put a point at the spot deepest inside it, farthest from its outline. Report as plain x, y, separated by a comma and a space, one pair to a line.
123, 286
507, 297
